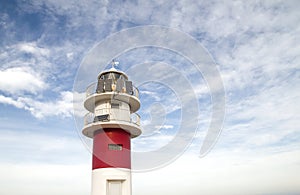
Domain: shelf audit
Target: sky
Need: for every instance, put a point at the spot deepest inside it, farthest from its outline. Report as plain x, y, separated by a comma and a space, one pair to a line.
51, 50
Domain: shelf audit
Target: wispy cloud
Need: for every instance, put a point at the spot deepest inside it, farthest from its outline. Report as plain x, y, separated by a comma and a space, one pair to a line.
63, 106
32, 48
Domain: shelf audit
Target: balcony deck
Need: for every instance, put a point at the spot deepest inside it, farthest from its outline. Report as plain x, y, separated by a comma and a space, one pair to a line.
132, 126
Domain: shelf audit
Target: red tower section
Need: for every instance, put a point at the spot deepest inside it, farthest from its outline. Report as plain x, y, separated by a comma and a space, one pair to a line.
111, 149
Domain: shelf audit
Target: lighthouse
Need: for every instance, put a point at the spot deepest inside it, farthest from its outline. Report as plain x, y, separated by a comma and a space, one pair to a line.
111, 122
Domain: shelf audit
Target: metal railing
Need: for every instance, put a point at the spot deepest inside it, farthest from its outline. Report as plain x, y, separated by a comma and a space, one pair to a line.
134, 118
91, 89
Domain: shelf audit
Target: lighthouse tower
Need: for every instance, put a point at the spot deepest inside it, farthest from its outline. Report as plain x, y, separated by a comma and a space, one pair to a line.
111, 122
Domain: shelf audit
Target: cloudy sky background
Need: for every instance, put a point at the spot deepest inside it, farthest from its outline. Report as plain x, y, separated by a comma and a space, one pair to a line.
255, 45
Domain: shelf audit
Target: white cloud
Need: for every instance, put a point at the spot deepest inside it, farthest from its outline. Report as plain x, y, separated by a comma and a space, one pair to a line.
10, 101
70, 56
33, 67
21, 79
78, 100
269, 118
32, 48
165, 127
87, 13
63, 106
60, 107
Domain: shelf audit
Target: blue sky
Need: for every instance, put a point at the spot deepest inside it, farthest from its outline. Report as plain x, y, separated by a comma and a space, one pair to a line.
255, 46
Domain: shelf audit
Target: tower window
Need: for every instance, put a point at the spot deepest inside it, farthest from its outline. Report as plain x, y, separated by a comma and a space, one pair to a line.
114, 105
115, 146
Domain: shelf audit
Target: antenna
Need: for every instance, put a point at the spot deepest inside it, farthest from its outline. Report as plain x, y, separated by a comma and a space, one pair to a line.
114, 63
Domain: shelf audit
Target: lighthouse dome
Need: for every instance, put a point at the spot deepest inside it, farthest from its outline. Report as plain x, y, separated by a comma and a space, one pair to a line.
112, 73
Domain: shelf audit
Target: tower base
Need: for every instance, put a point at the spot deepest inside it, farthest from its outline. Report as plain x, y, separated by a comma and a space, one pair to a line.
111, 181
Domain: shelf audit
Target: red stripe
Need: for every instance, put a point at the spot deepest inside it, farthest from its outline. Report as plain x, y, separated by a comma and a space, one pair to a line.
103, 157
